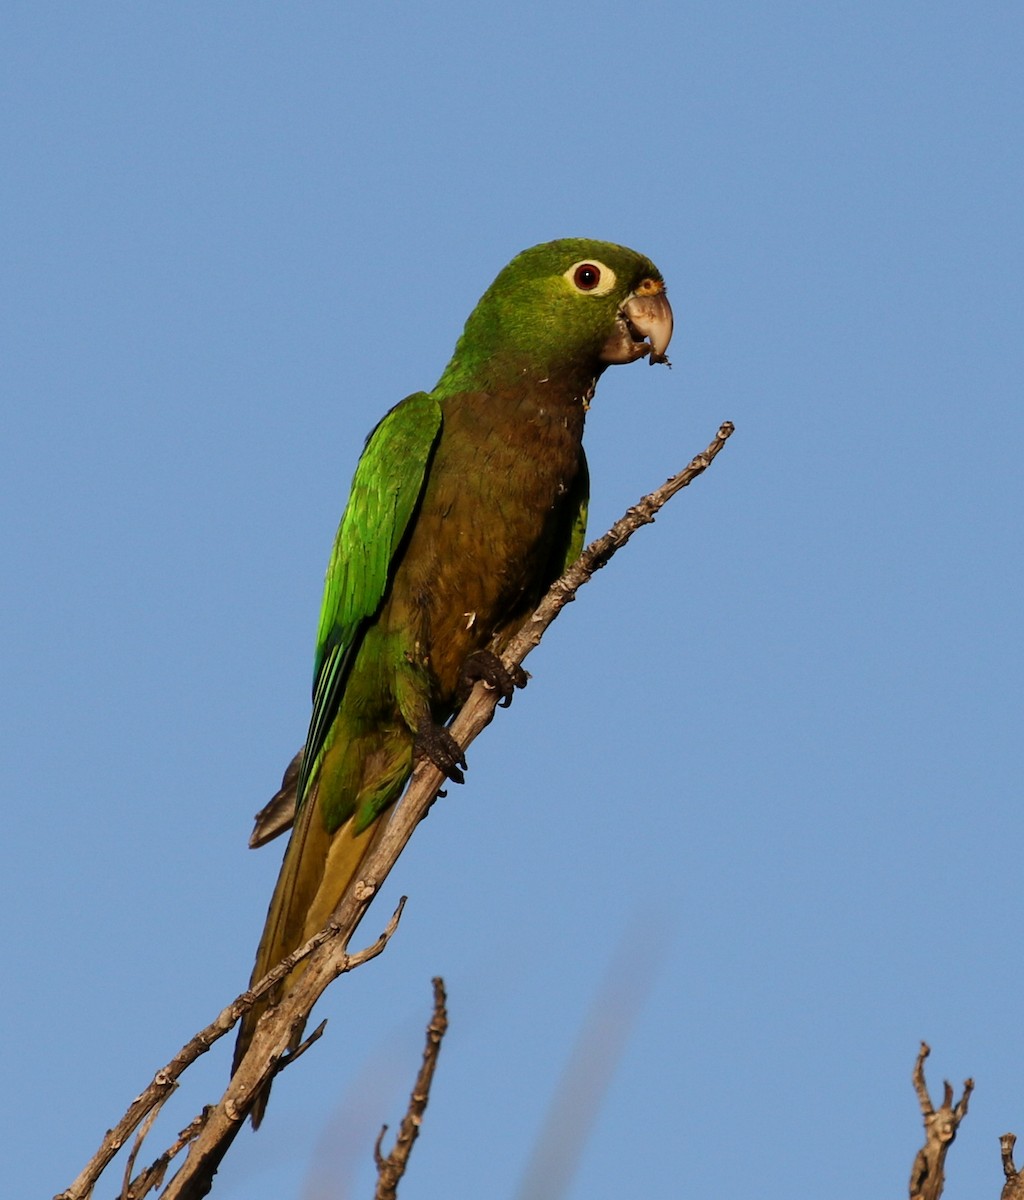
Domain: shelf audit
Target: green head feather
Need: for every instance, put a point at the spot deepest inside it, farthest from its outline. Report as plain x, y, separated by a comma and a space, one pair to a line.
549, 313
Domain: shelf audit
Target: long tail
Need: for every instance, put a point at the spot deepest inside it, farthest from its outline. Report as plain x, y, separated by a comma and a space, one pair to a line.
318, 866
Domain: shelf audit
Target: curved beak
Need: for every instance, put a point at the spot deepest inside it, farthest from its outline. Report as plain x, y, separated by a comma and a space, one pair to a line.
643, 325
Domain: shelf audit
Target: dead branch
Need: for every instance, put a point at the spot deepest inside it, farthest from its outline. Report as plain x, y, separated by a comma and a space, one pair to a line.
1013, 1189
391, 1169
140, 1137
153, 1176
940, 1125
165, 1080
326, 953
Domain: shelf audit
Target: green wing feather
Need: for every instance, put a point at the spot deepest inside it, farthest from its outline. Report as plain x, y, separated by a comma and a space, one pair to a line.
386, 489
580, 501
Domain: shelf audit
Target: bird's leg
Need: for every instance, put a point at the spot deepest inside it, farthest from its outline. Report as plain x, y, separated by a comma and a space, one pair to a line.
435, 743
485, 665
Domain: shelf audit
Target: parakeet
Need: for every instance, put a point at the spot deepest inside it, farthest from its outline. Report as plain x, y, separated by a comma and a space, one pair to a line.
467, 503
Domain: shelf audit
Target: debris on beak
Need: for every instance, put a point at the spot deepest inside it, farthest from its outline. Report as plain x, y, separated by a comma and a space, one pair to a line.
643, 326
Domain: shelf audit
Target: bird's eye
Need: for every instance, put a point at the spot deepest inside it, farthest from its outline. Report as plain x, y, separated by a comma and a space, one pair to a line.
591, 277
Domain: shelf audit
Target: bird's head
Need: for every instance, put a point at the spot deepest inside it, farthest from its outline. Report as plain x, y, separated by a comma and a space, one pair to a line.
570, 307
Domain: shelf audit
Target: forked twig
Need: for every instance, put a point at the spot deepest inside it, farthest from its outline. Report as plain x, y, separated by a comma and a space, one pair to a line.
927, 1177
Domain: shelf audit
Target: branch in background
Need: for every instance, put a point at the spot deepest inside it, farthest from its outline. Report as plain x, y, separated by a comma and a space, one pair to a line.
328, 958
1013, 1189
391, 1169
587, 1075
940, 1126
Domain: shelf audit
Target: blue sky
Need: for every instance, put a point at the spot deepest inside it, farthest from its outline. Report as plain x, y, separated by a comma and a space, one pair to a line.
767, 773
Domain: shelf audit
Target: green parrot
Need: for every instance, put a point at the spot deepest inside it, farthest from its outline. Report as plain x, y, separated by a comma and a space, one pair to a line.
467, 503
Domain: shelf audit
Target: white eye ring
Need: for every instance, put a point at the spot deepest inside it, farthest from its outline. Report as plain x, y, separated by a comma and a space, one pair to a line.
605, 277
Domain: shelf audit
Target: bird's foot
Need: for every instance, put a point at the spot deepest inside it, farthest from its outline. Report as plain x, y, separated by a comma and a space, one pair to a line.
485, 665
435, 743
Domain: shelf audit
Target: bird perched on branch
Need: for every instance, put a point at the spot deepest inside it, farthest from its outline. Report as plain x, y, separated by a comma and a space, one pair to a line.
466, 505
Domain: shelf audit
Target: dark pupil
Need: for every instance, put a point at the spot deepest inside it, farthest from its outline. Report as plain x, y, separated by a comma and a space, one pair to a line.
587, 276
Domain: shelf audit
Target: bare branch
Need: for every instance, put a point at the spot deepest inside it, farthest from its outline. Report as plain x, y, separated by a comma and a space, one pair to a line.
1013, 1189
140, 1137
165, 1080
326, 953
927, 1176
153, 1176
391, 1169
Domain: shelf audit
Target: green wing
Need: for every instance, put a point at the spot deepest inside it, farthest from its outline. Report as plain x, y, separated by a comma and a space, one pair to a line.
386, 489
579, 500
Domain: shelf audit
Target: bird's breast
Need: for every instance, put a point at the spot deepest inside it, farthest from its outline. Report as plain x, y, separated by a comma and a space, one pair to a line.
495, 503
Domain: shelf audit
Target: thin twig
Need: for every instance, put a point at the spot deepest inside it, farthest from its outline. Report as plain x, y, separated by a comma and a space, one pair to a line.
1013, 1188
927, 1176
391, 1169
153, 1176
140, 1137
